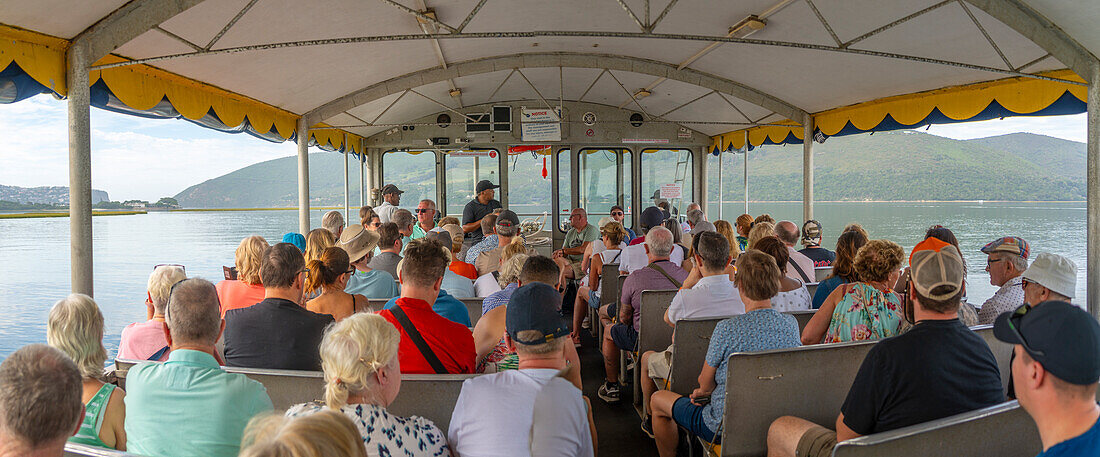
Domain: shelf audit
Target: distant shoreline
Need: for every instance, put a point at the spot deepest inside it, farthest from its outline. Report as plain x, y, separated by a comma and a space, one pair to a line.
56, 214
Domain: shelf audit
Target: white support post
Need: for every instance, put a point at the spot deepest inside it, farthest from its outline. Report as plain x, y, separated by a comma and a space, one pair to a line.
746, 172
303, 176
1092, 259
808, 168
721, 194
347, 183
80, 171
362, 182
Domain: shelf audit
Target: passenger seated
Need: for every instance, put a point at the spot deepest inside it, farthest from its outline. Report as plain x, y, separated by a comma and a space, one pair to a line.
445, 304
698, 221
507, 230
495, 413
760, 230
390, 247
743, 224
1006, 263
678, 240
325, 434
75, 327
801, 267
725, 229
864, 310
362, 378
618, 215
588, 294
247, 289
368, 219
453, 283
844, 270
277, 332
317, 240
425, 219
488, 241
464, 269
793, 295
329, 277
366, 281
491, 282
40, 406
145, 340
622, 334
937, 369
580, 235
297, 240
188, 406
634, 257
333, 221
760, 328
707, 293
405, 222
1055, 371
811, 239
430, 343
508, 278
967, 314
598, 246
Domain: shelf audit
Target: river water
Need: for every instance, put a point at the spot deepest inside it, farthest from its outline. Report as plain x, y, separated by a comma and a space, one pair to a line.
34, 253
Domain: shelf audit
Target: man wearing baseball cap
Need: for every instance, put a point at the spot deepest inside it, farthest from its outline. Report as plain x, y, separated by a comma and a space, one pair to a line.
503, 404
507, 227
636, 255
482, 205
1006, 263
1055, 371
391, 197
811, 238
937, 369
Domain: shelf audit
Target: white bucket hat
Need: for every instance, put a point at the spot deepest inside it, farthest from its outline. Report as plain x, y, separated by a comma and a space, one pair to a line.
1054, 272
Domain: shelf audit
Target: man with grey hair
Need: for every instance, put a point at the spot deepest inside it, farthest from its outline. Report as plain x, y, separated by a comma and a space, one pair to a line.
205, 408
697, 221
145, 340
425, 219
503, 404
622, 320
801, 267
333, 222
489, 239
405, 222
507, 228
1006, 263
40, 402
580, 235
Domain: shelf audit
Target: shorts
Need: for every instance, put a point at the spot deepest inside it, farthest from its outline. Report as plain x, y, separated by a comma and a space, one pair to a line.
624, 336
818, 441
690, 416
578, 273
660, 364
593, 299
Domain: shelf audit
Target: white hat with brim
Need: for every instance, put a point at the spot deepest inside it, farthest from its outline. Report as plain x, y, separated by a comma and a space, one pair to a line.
1054, 272
358, 241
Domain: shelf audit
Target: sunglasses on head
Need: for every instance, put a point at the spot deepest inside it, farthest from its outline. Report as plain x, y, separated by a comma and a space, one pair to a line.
1014, 325
170, 265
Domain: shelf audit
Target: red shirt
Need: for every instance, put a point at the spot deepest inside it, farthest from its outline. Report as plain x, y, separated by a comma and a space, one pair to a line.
452, 343
638, 240
233, 294
464, 269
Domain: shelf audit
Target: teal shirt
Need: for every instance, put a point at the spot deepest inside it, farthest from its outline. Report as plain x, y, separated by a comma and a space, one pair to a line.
574, 238
189, 407
418, 232
373, 284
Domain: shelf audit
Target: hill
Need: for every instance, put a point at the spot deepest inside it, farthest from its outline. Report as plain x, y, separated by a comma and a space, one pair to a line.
905, 165
52, 195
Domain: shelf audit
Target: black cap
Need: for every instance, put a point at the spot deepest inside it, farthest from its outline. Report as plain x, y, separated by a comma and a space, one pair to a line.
535, 307
1063, 338
652, 217
485, 185
391, 189
507, 218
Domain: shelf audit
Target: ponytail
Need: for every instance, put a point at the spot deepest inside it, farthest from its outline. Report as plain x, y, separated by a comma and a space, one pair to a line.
325, 270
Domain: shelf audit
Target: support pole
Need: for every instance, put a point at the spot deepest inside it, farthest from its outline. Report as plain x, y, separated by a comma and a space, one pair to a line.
303, 176
1092, 260
746, 172
362, 186
347, 183
808, 168
721, 194
80, 171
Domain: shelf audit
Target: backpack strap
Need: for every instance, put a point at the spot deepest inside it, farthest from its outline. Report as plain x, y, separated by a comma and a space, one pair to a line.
414, 335
805, 279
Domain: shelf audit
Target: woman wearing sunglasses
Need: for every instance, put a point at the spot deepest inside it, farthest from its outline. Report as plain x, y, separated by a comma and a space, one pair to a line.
619, 215
329, 275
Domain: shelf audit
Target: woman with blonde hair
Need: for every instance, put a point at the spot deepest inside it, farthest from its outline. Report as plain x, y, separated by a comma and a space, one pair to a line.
75, 327
362, 377
493, 282
246, 289
326, 279
760, 230
324, 434
725, 229
865, 310
317, 240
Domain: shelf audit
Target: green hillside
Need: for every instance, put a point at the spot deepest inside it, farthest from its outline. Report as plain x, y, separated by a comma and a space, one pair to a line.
905, 165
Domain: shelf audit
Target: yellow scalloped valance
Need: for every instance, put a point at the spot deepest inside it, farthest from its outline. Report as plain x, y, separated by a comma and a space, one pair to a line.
1019, 95
40, 56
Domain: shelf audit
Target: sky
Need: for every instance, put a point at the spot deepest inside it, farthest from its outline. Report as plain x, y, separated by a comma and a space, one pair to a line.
135, 158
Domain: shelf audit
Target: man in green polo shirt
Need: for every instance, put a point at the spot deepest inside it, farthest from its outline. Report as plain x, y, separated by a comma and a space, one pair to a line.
577, 239
188, 406
425, 219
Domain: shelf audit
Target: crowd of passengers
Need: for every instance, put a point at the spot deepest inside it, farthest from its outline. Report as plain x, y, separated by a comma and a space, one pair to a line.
302, 304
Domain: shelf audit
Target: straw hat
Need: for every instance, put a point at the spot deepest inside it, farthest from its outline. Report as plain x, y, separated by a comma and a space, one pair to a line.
358, 242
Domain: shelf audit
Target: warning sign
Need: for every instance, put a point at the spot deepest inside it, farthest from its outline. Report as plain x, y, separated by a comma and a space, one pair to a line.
672, 191
540, 125
489, 154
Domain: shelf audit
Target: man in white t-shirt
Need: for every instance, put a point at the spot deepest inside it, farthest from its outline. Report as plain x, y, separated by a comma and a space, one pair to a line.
496, 414
707, 293
391, 198
636, 256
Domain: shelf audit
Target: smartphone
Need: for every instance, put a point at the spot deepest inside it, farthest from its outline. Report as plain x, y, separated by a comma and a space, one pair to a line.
230, 273
701, 400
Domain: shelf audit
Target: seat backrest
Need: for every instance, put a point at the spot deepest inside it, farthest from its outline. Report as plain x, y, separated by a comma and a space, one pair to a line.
376, 304
473, 306
432, 396
82, 450
691, 340
820, 273
810, 382
654, 334
803, 317
1004, 430
811, 287
1001, 351
610, 285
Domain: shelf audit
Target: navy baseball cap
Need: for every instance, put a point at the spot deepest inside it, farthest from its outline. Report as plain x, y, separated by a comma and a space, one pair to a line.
391, 189
535, 307
1063, 338
507, 218
485, 185
652, 217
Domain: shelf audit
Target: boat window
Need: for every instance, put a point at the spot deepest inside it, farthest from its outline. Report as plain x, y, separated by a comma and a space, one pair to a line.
412, 172
530, 191
671, 168
565, 186
604, 171
464, 169
732, 190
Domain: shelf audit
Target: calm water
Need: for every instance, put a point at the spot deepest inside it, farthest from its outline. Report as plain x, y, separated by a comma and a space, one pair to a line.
34, 253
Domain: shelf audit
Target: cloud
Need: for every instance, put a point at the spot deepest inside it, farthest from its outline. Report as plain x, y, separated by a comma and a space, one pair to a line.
132, 157
1072, 127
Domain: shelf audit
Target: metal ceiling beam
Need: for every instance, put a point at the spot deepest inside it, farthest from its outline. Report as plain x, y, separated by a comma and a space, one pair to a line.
230, 24
633, 16
824, 23
894, 24
470, 17
668, 7
127, 23
178, 38
420, 15
548, 60
1037, 28
988, 38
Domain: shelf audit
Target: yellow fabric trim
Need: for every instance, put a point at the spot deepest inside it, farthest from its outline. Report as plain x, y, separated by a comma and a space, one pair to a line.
334, 138
1019, 95
41, 56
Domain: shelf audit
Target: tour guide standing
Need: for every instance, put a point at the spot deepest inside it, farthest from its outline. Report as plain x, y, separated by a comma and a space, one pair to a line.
482, 205
391, 197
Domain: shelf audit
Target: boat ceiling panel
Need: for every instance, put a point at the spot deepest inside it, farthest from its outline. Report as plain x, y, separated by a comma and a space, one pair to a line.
527, 15
151, 44
852, 18
1076, 18
202, 22
59, 18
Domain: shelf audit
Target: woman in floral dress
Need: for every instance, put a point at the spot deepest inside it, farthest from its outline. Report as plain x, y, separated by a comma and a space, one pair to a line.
864, 310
